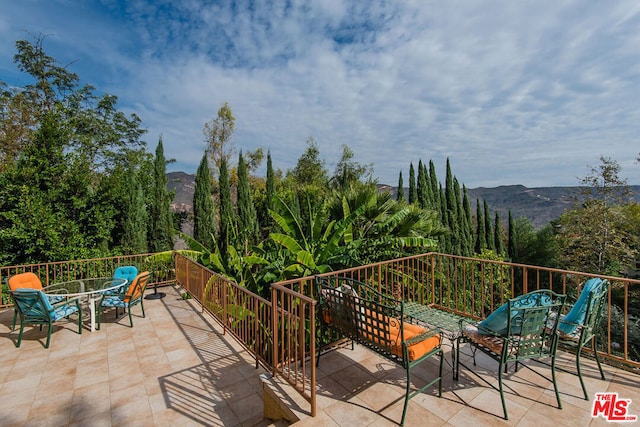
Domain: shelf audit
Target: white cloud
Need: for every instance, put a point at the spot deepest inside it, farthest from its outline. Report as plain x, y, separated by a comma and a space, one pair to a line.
511, 92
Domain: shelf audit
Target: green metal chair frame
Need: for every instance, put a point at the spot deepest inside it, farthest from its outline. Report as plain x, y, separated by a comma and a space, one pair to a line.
531, 335
34, 308
359, 312
587, 330
134, 295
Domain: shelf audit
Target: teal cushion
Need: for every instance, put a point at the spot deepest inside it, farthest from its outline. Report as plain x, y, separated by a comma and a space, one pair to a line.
575, 317
497, 321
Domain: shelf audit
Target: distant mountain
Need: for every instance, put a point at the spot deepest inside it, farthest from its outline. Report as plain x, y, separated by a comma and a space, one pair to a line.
540, 204
183, 185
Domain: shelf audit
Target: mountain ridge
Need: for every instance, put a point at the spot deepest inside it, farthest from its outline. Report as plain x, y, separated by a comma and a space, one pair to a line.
539, 204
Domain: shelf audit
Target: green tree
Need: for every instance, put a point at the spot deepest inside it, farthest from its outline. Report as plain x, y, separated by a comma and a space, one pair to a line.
413, 189
488, 229
247, 217
481, 235
497, 232
217, 134
134, 238
160, 220
227, 219
400, 197
424, 199
512, 244
204, 226
592, 237
63, 151
348, 171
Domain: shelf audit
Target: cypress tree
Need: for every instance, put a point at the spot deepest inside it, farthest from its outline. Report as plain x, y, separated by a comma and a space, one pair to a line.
497, 231
423, 187
160, 218
270, 192
512, 244
481, 236
488, 229
247, 218
413, 190
435, 186
400, 197
226, 209
467, 249
136, 219
203, 209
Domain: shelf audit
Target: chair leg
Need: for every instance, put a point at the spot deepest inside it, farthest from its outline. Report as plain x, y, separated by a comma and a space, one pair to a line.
142, 305
578, 368
555, 383
456, 367
49, 328
99, 310
21, 330
504, 403
406, 397
130, 318
15, 316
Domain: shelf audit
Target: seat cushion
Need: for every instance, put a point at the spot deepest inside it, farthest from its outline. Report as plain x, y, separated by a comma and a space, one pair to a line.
417, 350
64, 311
113, 302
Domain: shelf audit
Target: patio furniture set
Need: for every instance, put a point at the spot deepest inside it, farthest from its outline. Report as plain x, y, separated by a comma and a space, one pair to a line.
43, 306
526, 328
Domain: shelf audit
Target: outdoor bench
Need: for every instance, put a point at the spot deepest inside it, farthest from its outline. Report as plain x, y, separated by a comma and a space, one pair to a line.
357, 311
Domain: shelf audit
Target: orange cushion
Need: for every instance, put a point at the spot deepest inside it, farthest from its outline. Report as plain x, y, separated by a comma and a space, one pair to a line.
376, 333
419, 349
25, 280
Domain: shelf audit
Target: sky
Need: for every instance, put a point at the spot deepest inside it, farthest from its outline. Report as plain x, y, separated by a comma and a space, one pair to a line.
511, 92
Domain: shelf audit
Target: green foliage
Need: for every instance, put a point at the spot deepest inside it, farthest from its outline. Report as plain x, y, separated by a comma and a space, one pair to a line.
227, 218
160, 222
247, 217
348, 171
595, 236
400, 197
217, 134
413, 189
203, 209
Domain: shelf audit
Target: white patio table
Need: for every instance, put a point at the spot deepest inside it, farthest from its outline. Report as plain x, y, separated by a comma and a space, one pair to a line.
89, 290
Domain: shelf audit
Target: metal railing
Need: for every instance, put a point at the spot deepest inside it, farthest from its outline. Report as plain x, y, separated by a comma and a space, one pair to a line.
161, 267
242, 313
281, 333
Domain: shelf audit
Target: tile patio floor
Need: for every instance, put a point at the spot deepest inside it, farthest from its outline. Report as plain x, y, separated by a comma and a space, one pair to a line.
176, 368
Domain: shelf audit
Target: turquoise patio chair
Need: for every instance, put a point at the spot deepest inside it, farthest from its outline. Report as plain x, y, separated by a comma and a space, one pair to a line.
530, 334
580, 325
34, 308
127, 272
28, 280
134, 295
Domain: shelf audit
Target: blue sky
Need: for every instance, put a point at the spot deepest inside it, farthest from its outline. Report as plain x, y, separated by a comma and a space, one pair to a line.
512, 92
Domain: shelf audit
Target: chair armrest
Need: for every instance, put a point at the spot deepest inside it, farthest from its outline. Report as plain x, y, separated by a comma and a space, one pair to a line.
485, 331
430, 333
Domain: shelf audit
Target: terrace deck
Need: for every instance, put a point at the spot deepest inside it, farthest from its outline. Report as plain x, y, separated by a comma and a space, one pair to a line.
175, 367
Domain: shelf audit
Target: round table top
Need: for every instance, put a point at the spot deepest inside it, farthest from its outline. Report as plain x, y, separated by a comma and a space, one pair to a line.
78, 287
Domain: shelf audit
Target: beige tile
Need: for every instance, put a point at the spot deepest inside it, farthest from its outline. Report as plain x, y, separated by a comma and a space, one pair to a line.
176, 367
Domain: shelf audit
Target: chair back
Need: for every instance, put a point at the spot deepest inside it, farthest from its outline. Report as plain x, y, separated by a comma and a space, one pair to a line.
128, 272
33, 305
587, 309
596, 303
532, 331
25, 280
137, 288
